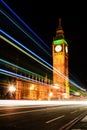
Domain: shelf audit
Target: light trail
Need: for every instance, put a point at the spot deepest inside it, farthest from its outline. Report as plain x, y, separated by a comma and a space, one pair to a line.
14, 74
34, 103
6, 72
20, 68
75, 79
51, 67
25, 26
78, 86
24, 47
41, 62
38, 38
11, 43
9, 73
25, 70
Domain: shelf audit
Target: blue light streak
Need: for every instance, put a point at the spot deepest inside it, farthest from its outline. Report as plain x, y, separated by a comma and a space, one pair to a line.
9, 73
24, 23
2, 71
50, 68
11, 43
24, 47
13, 65
18, 26
76, 85
37, 37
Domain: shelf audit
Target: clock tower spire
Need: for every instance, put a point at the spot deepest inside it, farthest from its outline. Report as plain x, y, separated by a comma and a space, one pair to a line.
59, 31
60, 62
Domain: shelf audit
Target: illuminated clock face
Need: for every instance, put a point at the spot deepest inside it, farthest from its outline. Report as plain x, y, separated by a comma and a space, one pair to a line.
66, 49
58, 48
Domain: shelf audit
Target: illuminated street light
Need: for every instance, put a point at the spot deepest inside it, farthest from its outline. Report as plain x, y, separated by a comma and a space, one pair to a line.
50, 94
12, 91
12, 88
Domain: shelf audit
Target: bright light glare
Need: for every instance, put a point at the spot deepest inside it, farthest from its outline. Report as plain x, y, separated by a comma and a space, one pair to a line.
50, 94
12, 88
26, 102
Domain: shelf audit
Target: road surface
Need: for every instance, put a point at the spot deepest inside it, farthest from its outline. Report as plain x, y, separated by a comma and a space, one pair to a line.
42, 117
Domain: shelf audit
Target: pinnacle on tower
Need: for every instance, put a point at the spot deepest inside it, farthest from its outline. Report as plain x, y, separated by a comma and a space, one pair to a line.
59, 31
59, 26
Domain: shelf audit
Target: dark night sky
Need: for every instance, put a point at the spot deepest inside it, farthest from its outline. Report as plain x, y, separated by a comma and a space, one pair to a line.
42, 17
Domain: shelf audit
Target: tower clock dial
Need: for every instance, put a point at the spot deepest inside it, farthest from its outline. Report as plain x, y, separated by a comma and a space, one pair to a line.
58, 48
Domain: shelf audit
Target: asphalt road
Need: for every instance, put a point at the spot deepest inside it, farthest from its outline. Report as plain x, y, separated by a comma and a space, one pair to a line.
41, 117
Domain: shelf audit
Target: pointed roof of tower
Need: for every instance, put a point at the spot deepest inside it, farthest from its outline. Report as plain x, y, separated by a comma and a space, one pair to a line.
59, 31
59, 26
59, 38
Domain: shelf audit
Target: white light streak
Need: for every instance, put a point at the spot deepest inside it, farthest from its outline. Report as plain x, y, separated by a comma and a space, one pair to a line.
26, 102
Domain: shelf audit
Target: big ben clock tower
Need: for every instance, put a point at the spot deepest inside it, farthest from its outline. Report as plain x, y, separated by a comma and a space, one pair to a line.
60, 63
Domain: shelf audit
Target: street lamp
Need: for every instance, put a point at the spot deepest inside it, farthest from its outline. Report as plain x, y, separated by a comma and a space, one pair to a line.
12, 90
